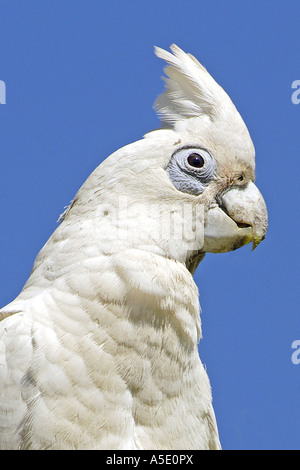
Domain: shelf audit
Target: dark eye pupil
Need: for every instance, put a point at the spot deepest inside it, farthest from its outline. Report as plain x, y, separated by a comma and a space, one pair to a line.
195, 160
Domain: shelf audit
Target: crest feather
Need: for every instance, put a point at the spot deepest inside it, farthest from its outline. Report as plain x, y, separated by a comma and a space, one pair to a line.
190, 89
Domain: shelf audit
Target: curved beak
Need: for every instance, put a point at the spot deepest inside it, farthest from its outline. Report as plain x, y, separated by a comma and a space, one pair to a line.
241, 217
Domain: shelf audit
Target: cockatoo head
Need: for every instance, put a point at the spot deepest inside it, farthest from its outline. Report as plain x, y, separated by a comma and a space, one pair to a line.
217, 159
187, 188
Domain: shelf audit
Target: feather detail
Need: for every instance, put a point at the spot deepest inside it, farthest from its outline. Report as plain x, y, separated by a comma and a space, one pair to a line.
190, 89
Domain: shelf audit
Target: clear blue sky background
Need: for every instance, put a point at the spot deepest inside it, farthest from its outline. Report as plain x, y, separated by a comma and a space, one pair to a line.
81, 80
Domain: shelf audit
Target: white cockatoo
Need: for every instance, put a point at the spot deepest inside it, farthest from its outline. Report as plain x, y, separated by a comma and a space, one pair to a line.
100, 349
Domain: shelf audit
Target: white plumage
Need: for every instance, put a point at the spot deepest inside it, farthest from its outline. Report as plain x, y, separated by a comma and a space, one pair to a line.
99, 350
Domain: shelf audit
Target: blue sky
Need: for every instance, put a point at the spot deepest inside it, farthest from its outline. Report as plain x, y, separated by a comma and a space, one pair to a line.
81, 79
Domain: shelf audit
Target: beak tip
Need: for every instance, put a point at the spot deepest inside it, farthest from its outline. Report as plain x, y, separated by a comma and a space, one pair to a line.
256, 241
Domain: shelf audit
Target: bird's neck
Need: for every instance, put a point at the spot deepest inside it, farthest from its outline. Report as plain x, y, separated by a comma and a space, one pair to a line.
132, 320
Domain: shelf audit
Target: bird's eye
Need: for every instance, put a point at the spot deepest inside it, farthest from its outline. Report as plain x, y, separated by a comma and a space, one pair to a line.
195, 160
191, 169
